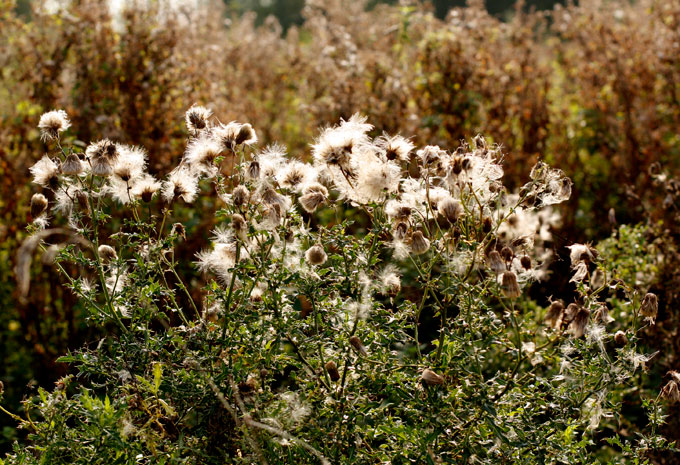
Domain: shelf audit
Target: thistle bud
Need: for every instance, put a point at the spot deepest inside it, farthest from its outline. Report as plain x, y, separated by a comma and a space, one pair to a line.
72, 165
525, 261
510, 286
495, 262
649, 307
332, 370
107, 253
431, 378
38, 205
315, 255
358, 345
620, 338
419, 243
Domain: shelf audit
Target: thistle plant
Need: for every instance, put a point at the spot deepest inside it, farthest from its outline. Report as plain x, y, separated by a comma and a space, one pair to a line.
365, 303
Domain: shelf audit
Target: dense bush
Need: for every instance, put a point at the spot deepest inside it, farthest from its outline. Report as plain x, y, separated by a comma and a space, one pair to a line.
307, 344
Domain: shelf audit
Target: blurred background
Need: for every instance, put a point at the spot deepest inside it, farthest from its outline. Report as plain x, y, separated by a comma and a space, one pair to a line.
592, 88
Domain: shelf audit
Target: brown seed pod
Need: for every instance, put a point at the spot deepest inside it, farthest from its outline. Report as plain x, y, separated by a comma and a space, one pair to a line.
431, 378
620, 338
332, 370
358, 345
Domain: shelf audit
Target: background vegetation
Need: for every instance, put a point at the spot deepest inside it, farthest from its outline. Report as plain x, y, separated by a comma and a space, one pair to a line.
593, 89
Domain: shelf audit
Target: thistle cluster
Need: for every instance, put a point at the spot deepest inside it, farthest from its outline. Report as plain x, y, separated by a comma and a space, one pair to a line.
308, 336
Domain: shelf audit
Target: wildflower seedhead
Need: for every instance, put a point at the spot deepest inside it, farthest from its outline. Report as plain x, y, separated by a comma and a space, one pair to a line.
431, 378
510, 286
419, 243
496, 262
358, 346
649, 307
45, 173
38, 205
316, 255
52, 123
620, 338
554, 315
107, 253
671, 391
577, 326
451, 209
197, 119
313, 196
332, 370
240, 196
72, 165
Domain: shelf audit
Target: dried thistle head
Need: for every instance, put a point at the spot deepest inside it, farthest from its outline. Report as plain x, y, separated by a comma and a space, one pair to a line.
419, 243
107, 253
316, 255
509, 285
649, 307
52, 123
38, 205
431, 378
313, 196
554, 314
197, 119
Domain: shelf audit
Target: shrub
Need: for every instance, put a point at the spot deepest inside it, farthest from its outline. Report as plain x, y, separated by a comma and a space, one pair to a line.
307, 343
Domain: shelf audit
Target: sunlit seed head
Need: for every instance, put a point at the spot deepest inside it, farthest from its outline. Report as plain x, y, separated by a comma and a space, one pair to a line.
313, 196
45, 172
620, 338
52, 123
107, 253
197, 119
496, 262
450, 208
431, 378
38, 205
649, 307
577, 326
316, 255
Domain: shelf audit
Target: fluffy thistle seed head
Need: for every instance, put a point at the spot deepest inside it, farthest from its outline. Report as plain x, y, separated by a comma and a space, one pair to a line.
509, 285
38, 205
496, 262
52, 123
45, 172
450, 208
507, 254
395, 147
197, 119
671, 391
577, 326
315, 255
313, 196
240, 196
